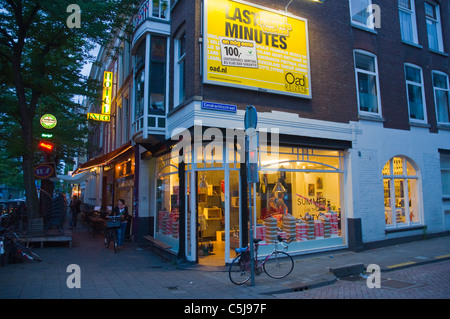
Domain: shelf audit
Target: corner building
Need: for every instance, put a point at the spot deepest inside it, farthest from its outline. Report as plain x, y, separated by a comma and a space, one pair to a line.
352, 101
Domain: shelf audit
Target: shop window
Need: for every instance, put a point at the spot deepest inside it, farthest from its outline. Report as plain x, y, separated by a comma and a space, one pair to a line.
367, 83
300, 195
434, 30
401, 192
415, 93
167, 201
445, 175
441, 96
408, 25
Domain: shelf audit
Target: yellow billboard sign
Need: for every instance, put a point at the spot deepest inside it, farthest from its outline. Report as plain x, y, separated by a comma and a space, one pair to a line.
99, 117
107, 92
252, 47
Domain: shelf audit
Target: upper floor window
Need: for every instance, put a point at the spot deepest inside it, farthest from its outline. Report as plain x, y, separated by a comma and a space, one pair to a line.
360, 14
180, 69
408, 25
434, 29
415, 93
157, 85
441, 96
366, 72
139, 81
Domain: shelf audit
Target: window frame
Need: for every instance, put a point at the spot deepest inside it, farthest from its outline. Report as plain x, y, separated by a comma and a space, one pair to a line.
437, 22
422, 87
379, 113
356, 22
444, 195
403, 177
445, 90
180, 62
412, 13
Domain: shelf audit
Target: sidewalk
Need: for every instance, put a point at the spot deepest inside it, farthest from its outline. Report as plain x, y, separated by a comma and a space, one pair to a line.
137, 273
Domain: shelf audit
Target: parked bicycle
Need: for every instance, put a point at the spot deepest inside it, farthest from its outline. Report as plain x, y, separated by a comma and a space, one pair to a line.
12, 248
111, 235
278, 264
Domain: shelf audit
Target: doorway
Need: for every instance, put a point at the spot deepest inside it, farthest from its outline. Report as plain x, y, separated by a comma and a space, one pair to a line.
211, 217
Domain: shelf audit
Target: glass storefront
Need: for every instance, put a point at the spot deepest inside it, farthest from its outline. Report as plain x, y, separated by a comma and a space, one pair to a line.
299, 195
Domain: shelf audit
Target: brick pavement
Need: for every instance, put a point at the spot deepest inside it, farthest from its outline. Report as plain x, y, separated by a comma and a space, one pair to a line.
137, 273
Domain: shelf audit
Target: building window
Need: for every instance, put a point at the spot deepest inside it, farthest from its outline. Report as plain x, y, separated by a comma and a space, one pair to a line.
415, 93
441, 96
139, 85
157, 85
434, 29
445, 175
367, 83
360, 14
408, 24
301, 194
179, 83
401, 192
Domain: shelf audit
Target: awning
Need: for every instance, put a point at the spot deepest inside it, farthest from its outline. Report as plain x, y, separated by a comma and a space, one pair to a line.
105, 159
74, 178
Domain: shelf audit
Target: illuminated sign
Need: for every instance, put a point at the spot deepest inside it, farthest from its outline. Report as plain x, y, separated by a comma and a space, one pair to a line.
252, 47
46, 135
107, 92
48, 121
45, 146
99, 117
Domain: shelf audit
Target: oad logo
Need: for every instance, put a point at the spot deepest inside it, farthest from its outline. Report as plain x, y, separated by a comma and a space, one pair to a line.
297, 83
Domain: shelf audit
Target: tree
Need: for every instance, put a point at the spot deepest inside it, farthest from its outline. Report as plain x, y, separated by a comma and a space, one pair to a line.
42, 52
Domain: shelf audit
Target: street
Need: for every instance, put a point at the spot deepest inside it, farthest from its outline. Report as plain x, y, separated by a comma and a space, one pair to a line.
429, 281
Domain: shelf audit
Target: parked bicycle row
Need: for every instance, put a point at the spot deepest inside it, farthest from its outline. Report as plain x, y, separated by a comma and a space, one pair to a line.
13, 249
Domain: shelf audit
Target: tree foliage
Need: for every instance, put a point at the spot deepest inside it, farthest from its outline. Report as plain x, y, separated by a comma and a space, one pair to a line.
41, 59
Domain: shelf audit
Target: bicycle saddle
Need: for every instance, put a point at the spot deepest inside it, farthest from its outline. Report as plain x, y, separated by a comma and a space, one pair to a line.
257, 240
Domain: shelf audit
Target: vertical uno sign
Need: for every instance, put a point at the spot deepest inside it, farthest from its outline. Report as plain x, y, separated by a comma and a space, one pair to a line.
107, 92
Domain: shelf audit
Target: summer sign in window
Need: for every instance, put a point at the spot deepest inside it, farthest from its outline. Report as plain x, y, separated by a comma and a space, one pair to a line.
252, 47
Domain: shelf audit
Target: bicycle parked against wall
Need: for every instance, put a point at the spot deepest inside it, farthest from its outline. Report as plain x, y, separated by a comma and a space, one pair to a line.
111, 235
12, 249
278, 264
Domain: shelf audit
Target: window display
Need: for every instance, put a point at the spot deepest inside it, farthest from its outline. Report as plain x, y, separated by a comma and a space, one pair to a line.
300, 196
401, 201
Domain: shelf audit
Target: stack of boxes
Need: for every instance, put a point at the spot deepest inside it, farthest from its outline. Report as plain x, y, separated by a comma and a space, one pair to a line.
260, 231
301, 231
271, 229
332, 217
318, 229
289, 226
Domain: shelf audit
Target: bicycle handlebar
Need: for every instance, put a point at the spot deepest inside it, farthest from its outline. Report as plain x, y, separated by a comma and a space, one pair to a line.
287, 241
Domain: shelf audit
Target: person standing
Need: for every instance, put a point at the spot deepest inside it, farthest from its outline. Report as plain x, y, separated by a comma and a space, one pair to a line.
121, 210
75, 210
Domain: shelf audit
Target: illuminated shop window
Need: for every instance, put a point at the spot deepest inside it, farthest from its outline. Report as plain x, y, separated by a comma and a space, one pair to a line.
300, 194
401, 192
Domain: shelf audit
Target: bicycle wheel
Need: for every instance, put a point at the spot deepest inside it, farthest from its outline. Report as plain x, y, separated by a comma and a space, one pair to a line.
114, 238
239, 271
28, 253
278, 265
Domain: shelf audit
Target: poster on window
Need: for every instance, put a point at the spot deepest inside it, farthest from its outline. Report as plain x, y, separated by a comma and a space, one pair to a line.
252, 47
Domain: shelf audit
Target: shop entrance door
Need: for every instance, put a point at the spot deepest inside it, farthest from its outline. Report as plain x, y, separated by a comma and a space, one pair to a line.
211, 217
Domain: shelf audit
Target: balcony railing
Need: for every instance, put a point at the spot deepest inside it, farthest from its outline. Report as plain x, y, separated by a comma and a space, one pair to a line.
157, 9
